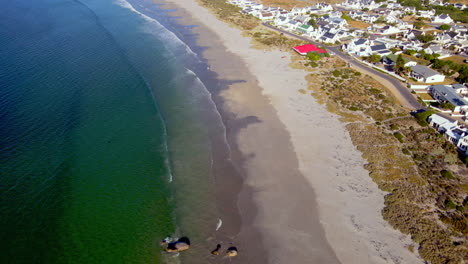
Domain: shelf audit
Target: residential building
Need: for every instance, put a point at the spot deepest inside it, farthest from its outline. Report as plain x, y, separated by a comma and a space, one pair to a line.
426, 75
442, 19
446, 94
456, 134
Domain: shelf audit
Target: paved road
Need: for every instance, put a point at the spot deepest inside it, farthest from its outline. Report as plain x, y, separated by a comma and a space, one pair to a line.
401, 88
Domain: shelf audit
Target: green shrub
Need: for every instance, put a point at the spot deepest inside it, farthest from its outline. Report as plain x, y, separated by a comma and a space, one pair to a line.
394, 127
398, 136
353, 108
375, 91
450, 204
313, 64
422, 117
446, 174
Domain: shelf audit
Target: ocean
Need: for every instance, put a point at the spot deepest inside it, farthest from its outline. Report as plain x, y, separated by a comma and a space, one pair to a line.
109, 138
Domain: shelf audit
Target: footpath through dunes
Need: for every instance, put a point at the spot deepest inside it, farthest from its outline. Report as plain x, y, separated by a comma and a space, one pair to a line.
297, 157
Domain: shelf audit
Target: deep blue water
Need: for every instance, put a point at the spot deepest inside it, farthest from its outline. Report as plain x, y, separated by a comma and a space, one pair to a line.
103, 128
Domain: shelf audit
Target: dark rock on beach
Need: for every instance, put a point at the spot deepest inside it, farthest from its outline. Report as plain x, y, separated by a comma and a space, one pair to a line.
231, 252
180, 245
216, 251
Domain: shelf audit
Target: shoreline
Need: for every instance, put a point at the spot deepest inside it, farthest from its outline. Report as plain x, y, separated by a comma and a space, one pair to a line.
275, 113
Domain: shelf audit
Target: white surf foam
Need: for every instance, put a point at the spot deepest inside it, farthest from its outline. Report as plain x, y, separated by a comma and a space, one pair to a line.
220, 223
170, 40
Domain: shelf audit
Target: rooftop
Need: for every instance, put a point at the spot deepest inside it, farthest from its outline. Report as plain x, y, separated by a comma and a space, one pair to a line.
424, 71
450, 94
304, 49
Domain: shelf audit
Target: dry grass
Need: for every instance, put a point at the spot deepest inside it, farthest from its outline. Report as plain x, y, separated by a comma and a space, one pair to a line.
456, 59
358, 24
448, 80
458, 1
425, 96
408, 169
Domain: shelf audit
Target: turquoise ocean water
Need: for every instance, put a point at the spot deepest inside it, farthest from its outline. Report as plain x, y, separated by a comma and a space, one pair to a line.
106, 133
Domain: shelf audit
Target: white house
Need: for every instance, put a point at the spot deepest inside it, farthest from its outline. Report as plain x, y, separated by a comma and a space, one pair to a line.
266, 16
305, 29
437, 49
281, 21
329, 37
426, 13
451, 131
380, 49
388, 30
360, 47
443, 19
441, 124
426, 75
446, 93
459, 6
460, 89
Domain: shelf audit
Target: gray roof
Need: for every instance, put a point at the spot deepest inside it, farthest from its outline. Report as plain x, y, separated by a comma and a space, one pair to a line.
378, 47
360, 41
424, 71
458, 86
450, 94
329, 35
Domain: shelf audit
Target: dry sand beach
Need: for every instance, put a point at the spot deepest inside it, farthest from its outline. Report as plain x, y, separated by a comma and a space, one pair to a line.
314, 201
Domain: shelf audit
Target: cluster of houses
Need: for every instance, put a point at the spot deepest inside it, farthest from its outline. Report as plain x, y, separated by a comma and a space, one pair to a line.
327, 23
453, 132
330, 26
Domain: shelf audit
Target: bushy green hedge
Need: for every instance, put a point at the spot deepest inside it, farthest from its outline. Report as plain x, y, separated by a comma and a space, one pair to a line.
422, 117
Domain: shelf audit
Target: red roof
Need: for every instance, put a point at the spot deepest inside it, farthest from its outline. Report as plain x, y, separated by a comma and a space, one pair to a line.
304, 49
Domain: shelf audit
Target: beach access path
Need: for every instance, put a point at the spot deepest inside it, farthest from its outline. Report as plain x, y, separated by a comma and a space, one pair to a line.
397, 88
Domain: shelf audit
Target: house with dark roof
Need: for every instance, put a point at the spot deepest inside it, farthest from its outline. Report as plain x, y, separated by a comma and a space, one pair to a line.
329, 37
380, 49
456, 134
426, 75
360, 47
443, 19
446, 94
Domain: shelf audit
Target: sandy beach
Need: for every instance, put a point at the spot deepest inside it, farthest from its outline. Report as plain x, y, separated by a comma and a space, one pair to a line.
313, 200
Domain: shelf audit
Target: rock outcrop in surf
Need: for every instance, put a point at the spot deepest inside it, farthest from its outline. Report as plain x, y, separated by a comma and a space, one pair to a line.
181, 244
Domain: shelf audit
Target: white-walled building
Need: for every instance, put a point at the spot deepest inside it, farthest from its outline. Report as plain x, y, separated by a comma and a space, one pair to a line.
426, 75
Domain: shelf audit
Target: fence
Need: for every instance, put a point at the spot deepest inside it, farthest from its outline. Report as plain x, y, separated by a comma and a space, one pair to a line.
419, 87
